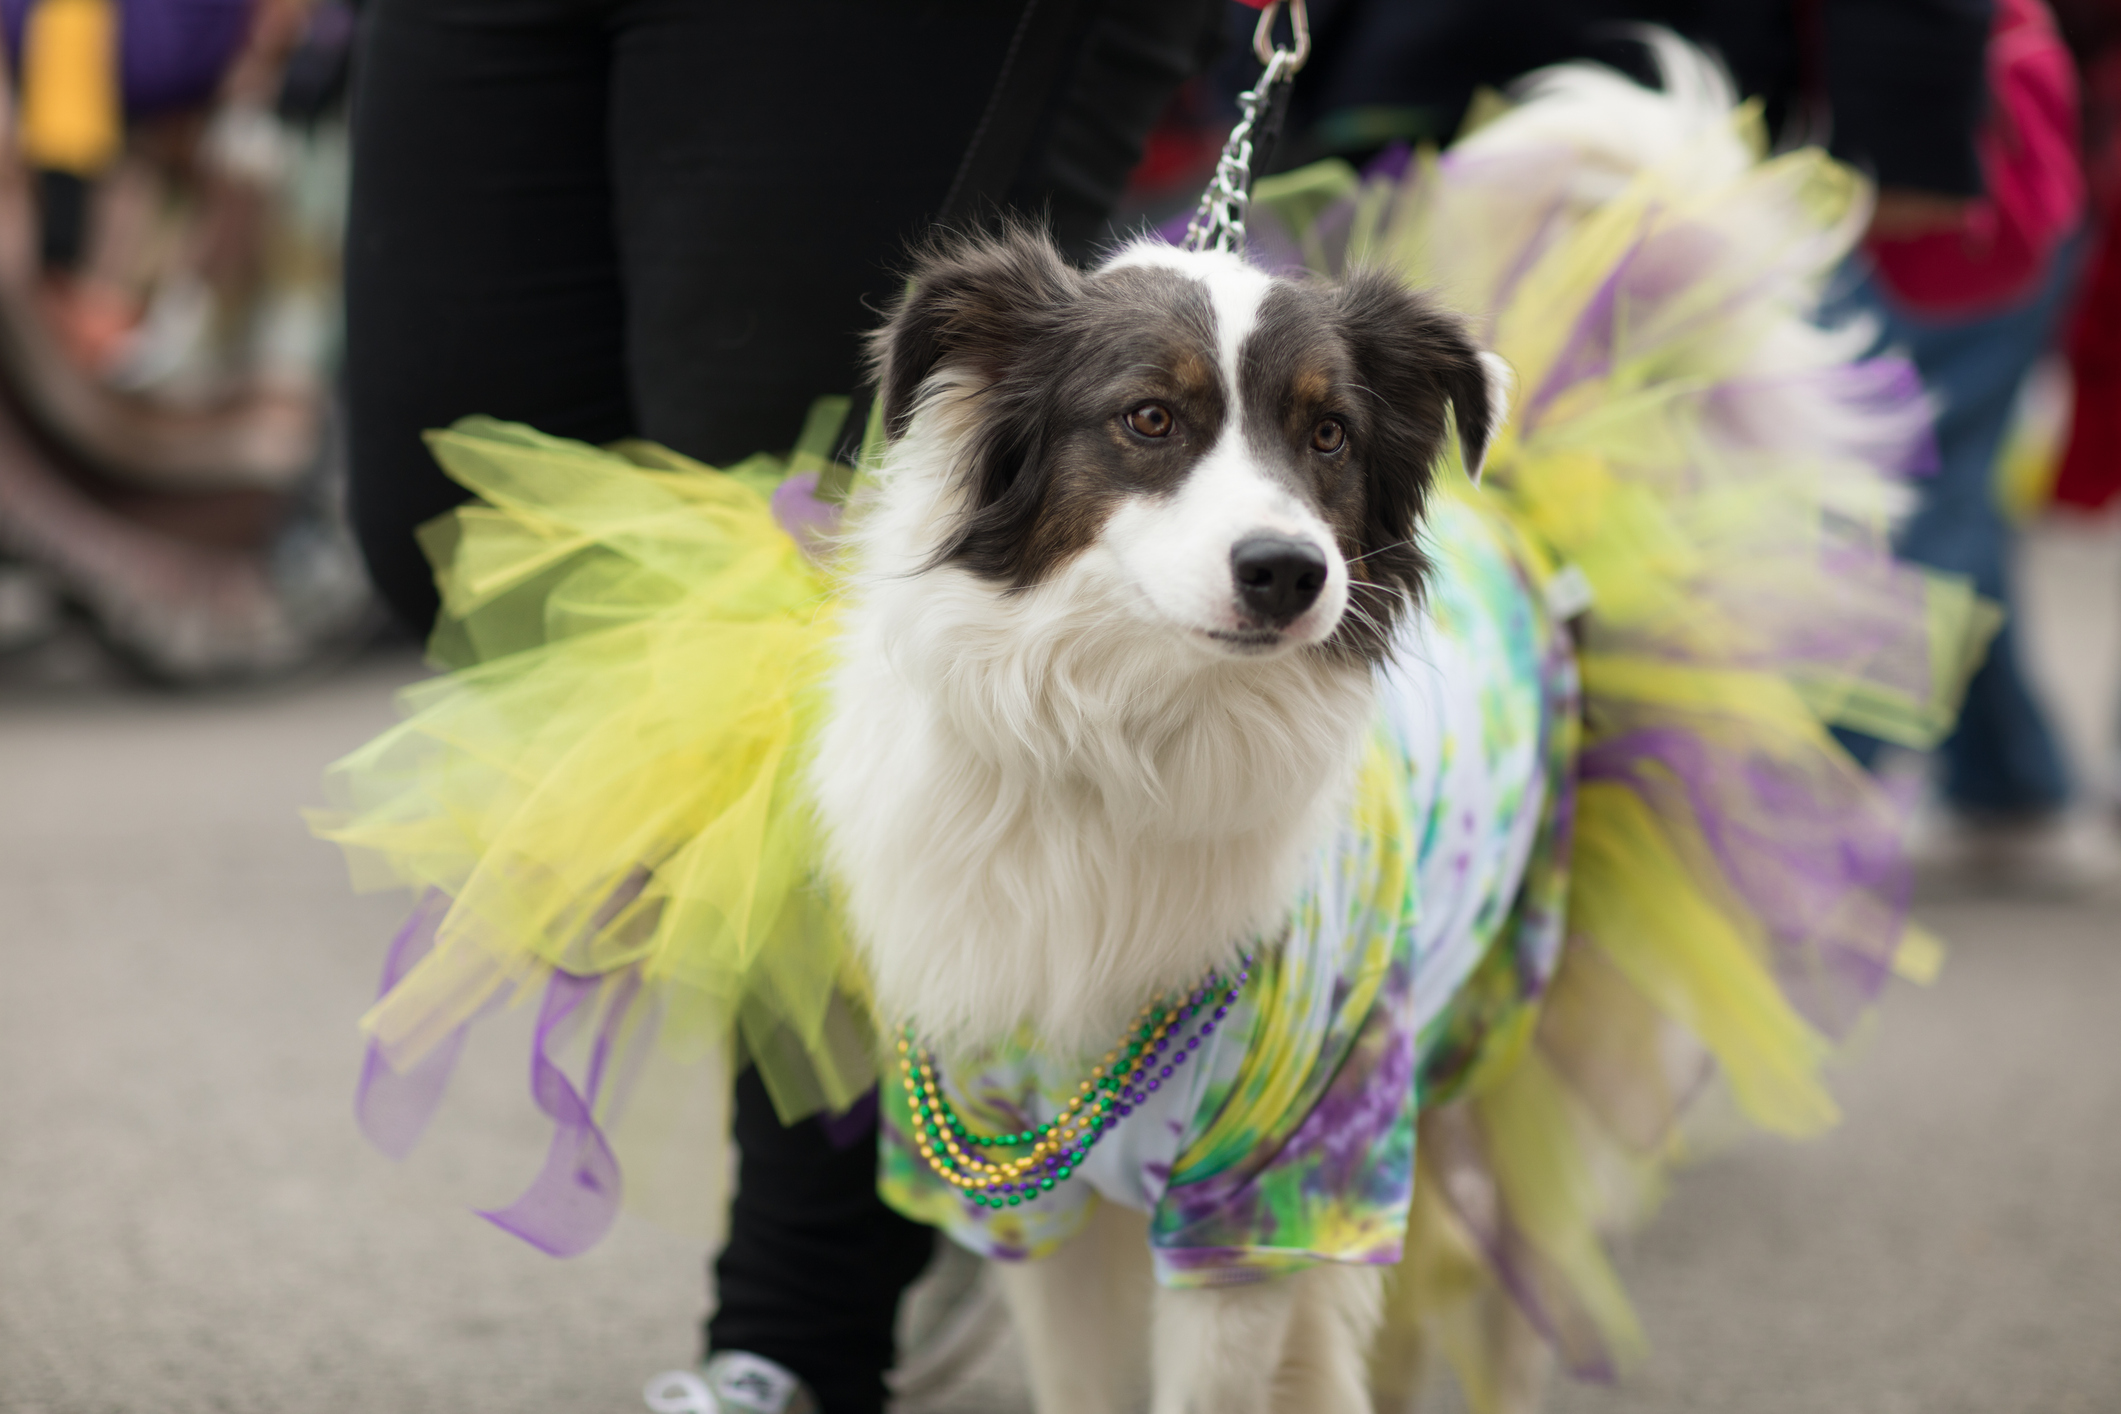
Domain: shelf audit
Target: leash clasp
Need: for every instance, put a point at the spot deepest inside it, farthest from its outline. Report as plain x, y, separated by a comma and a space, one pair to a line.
1299, 23
1219, 223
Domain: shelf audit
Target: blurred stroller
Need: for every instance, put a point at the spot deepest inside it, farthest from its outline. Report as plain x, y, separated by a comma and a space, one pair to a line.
172, 191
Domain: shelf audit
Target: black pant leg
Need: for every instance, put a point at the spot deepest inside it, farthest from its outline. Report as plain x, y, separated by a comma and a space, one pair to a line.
815, 1263
482, 273
770, 165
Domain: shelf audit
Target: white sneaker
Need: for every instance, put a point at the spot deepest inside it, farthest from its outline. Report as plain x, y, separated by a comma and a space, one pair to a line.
948, 1319
731, 1382
2063, 856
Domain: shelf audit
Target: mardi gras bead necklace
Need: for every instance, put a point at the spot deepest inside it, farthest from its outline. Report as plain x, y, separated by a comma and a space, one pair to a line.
1153, 1052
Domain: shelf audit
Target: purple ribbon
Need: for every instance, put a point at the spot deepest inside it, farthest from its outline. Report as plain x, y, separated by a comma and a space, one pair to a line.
1457, 1159
574, 1199
853, 1124
808, 520
393, 1109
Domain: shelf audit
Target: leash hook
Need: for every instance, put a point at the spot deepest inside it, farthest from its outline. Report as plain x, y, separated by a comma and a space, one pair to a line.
1263, 44
1219, 222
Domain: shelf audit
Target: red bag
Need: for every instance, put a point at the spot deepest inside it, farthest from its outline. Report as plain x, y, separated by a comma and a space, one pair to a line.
2091, 467
2090, 477
2034, 174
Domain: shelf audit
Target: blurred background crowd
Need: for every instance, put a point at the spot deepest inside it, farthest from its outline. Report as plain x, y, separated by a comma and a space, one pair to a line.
173, 192
178, 180
172, 197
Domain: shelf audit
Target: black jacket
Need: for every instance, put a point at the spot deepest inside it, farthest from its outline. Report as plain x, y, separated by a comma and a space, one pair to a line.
1897, 87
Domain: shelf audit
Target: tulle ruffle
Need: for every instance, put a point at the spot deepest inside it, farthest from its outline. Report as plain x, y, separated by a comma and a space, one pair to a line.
1714, 478
602, 805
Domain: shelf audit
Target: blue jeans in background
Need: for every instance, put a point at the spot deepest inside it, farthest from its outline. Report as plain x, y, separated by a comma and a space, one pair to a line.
2002, 758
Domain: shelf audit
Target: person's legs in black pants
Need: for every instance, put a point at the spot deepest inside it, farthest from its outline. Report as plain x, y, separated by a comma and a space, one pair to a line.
612, 220
482, 271
609, 218
674, 219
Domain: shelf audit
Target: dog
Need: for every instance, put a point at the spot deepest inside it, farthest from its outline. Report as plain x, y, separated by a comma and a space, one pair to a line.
1144, 540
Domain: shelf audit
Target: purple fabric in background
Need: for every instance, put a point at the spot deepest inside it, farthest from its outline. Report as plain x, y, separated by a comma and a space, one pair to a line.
173, 53
852, 1125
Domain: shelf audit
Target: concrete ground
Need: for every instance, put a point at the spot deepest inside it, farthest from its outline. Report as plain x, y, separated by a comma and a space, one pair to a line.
190, 1222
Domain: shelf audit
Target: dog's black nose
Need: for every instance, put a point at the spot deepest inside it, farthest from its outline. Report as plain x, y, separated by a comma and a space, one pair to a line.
1277, 576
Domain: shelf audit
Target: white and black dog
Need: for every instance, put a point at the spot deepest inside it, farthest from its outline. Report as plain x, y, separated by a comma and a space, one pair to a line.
1140, 540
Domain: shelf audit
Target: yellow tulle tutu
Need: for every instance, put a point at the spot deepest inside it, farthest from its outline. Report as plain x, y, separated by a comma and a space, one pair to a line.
609, 785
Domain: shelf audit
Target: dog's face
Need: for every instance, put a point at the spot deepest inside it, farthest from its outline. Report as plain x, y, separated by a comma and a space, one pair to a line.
1249, 456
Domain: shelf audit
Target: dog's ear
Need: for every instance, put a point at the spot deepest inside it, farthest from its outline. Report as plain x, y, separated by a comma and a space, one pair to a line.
972, 304
1421, 372
1501, 381
1419, 360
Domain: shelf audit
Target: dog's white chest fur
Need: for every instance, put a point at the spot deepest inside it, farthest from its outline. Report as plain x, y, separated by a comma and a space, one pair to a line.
1040, 817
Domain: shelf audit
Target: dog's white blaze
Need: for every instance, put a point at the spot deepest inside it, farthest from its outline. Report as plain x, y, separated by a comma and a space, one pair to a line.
1235, 289
1176, 549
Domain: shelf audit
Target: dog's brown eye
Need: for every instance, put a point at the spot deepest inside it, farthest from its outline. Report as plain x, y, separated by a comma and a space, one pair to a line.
1151, 420
1328, 436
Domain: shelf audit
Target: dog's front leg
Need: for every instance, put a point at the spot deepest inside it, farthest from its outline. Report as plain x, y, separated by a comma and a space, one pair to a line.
1082, 1314
1296, 1343
1325, 1367
1216, 1349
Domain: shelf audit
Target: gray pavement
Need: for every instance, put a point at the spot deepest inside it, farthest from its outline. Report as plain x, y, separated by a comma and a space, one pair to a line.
190, 1222
188, 1219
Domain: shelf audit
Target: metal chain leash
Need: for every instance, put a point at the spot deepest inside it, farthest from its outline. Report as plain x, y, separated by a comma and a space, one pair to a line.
1219, 223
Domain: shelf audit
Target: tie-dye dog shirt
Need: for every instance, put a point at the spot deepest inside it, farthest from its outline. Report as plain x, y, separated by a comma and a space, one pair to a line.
1435, 911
